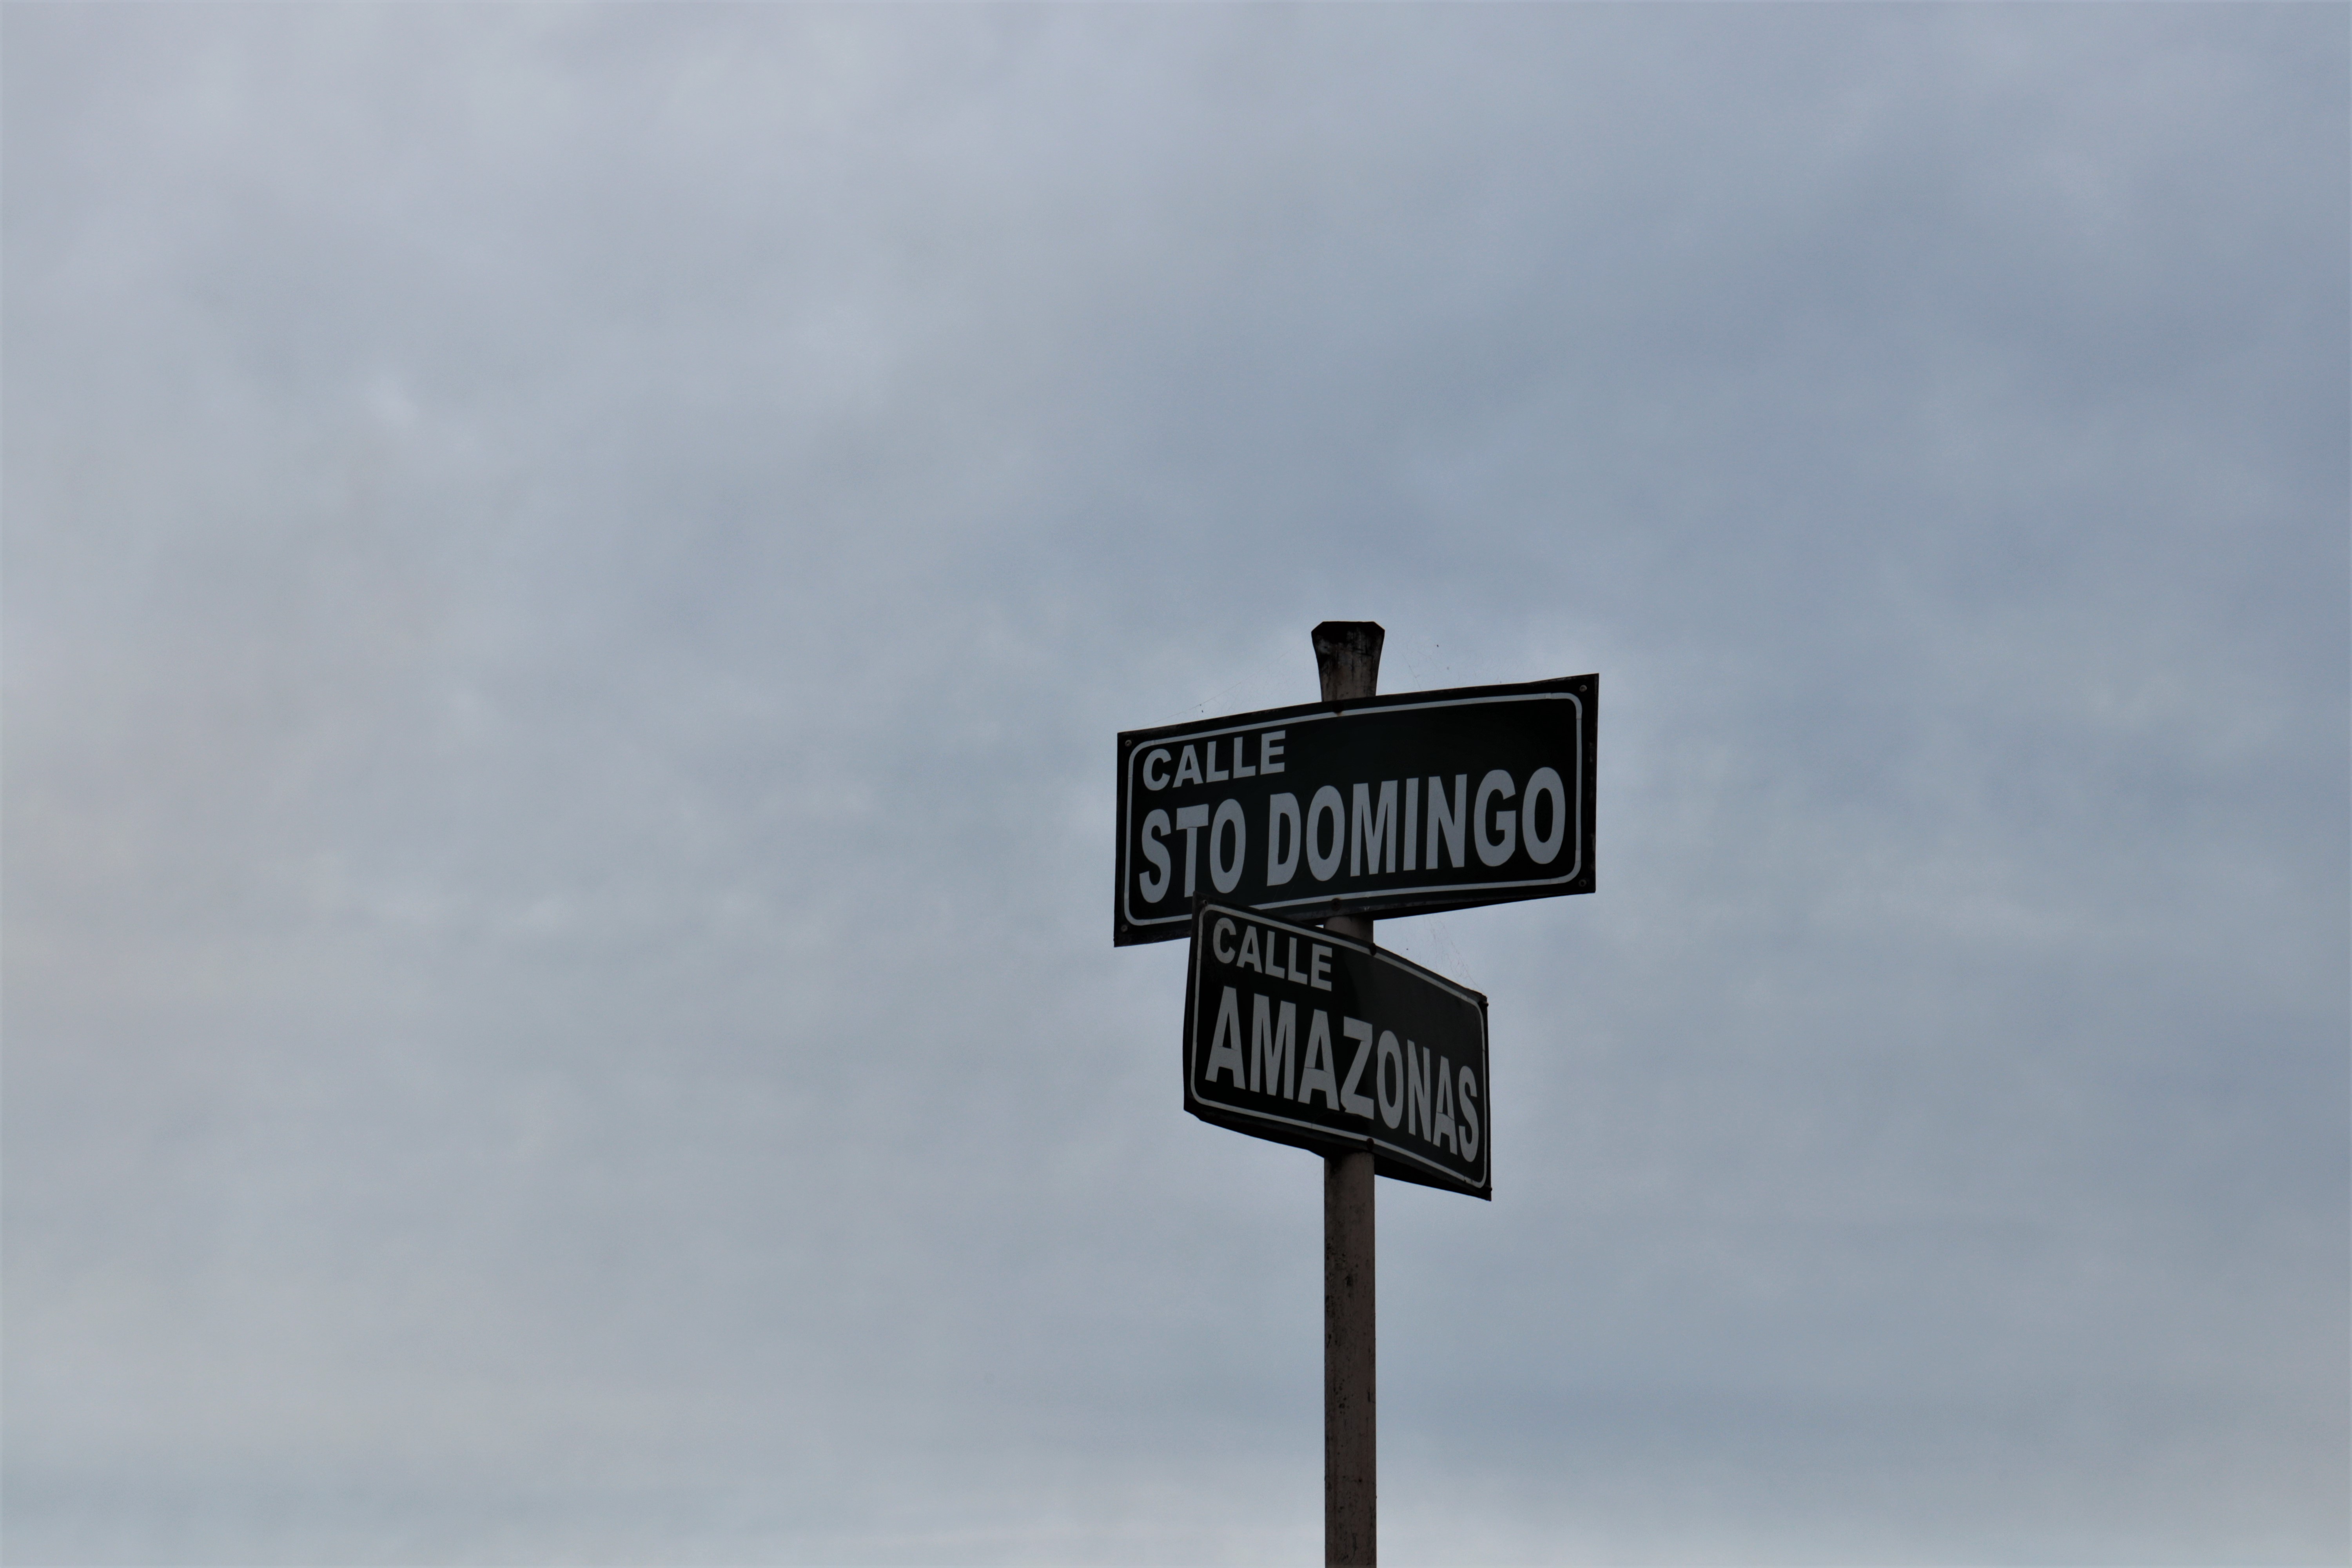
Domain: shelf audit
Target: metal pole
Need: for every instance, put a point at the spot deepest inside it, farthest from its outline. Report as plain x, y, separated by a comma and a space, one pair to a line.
1347, 657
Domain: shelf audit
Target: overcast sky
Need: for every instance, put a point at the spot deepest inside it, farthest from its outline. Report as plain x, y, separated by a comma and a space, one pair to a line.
570, 576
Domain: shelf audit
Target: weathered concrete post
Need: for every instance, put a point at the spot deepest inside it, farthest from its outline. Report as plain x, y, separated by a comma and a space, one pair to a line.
1348, 656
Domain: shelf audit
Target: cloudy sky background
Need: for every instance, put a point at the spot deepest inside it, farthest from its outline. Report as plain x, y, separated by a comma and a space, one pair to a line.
570, 576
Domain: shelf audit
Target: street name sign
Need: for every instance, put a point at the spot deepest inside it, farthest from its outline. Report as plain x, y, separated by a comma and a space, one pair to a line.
1412, 803
1312, 1038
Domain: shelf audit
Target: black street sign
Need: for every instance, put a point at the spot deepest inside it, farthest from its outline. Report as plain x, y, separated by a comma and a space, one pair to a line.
1407, 803
1306, 1038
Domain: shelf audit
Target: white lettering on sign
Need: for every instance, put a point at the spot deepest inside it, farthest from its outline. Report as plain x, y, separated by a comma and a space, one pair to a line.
1316, 1075
1225, 1042
1270, 1046
1274, 1063
1373, 845
1225, 874
1200, 765
1391, 1110
1224, 928
1469, 1114
1155, 829
1351, 1102
1190, 820
1445, 1131
1545, 784
1492, 851
1416, 1105
1448, 820
1281, 828
1326, 804
1412, 818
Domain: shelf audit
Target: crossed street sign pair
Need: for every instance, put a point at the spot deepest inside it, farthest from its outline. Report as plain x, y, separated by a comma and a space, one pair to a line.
1237, 831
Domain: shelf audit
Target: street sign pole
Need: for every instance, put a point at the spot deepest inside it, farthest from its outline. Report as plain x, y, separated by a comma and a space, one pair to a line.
1348, 658
1364, 805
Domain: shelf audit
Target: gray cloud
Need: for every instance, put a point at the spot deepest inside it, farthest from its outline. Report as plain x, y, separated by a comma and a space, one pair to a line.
570, 576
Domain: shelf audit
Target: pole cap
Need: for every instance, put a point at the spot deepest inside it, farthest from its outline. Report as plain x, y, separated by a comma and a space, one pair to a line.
1347, 657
